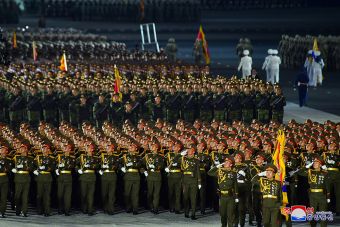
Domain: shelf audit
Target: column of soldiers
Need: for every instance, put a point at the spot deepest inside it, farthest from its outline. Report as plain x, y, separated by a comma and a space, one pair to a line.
181, 158
293, 50
122, 10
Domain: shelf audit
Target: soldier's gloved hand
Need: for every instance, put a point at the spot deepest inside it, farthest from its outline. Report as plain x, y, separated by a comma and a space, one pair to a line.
174, 164
217, 163
236, 200
151, 166
14, 170
129, 164
309, 165
80, 171
328, 200
57, 172
324, 167
330, 162
20, 166
262, 174
152, 170
290, 173
101, 172
299, 83
241, 172
167, 169
123, 169
184, 152
199, 186
146, 173
41, 167
36, 172
105, 166
86, 165
61, 165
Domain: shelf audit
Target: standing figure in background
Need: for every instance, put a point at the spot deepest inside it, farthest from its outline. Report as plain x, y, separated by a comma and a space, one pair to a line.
308, 65
198, 52
246, 64
317, 67
265, 65
171, 49
302, 81
274, 67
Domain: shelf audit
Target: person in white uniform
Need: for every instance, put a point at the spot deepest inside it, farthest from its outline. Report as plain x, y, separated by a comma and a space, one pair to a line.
265, 65
274, 66
308, 65
317, 67
245, 63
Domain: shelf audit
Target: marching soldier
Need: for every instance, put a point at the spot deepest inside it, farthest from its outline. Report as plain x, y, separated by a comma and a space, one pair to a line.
158, 109
34, 107
50, 106
100, 110
173, 101
256, 191
277, 103
5, 167
204, 158
16, 108
86, 165
206, 105
154, 163
109, 166
271, 195
174, 178
262, 105
319, 192
228, 190
243, 176
191, 181
189, 106
131, 165
23, 165
65, 164
44, 166
220, 104
332, 160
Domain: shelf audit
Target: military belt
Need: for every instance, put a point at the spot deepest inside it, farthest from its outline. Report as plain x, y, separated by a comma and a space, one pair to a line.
240, 181
269, 197
202, 169
333, 169
66, 171
316, 190
187, 173
132, 170
3, 174
175, 171
23, 172
45, 172
89, 171
109, 171
226, 192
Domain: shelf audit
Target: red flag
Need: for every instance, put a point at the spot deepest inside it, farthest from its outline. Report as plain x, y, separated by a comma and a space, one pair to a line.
35, 53
201, 37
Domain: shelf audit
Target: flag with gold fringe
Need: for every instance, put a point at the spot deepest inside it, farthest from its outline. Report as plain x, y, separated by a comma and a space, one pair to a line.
14, 40
201, 37
278, 161
118, 83
63, 63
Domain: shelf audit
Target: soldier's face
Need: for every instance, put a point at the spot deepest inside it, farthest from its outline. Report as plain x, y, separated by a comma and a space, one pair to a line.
227, 164
270, 174
238, 159
259, 161
316, 165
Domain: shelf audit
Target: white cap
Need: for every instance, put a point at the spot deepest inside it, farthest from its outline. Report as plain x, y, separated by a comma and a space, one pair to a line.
275, 52
246, 52
270, 51
317, 53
